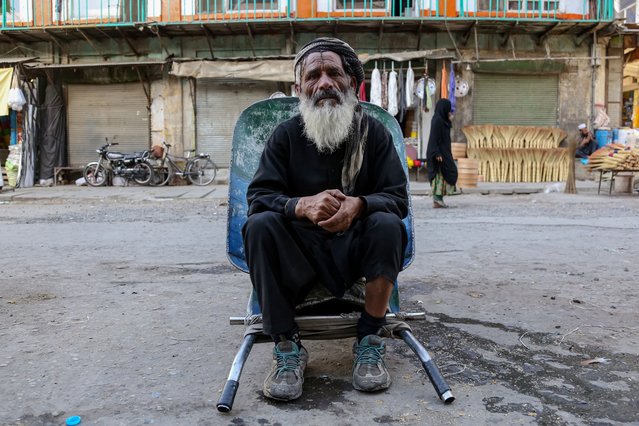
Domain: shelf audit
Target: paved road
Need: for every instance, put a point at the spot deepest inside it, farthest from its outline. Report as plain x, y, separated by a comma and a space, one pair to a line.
115, 303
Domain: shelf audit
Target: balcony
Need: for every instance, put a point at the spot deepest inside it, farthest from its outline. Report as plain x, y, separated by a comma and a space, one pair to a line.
55, 14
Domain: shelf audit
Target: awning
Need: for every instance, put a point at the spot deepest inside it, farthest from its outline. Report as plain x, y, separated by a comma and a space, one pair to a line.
42, 65
14, 61
281, 69
408, 56
265, 70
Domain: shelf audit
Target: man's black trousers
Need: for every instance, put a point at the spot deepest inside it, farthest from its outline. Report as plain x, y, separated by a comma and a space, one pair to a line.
286, 258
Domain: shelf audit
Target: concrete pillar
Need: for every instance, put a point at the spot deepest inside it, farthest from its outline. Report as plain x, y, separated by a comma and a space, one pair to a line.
614, 81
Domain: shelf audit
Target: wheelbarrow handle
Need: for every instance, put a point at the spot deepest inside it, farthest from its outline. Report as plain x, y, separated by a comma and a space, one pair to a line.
436, 378
225, 403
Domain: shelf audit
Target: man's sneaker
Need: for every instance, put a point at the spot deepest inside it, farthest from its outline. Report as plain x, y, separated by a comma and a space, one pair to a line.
284, 381
369, 371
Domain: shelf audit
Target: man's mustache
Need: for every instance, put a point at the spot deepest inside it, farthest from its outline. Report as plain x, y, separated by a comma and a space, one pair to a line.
328, 94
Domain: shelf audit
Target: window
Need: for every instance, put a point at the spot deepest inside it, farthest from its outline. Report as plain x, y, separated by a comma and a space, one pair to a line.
631, 15
251, 5
529, 6
19, 11
533, 6
67, 10
202, 7
360, 4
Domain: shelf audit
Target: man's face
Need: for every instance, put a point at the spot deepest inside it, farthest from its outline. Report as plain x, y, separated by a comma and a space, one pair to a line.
583, 132
323, 76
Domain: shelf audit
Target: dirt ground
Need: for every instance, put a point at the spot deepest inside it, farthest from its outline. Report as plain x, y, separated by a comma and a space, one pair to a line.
117, 311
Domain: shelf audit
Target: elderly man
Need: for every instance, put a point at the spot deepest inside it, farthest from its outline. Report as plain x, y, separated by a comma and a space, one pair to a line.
587, 144
326, 206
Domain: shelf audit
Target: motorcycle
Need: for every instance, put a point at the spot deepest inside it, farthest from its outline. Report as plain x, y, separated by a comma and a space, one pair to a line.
129, 166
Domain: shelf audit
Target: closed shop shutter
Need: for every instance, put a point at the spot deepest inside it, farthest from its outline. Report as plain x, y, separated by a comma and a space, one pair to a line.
524, 100
219, 104
97, 111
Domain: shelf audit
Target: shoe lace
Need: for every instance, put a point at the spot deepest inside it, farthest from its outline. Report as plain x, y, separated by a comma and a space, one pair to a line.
367, 354
287, 361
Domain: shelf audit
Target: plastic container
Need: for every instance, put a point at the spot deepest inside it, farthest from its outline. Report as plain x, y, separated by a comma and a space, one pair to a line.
603, 137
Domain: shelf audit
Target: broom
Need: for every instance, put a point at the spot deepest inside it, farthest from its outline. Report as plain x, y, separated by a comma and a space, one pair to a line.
571, 184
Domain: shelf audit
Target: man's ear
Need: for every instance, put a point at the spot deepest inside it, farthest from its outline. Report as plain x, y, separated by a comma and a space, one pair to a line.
298, 90
354, 83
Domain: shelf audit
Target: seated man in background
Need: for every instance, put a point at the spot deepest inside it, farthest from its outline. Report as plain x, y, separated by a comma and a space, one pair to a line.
326, 206
587, 144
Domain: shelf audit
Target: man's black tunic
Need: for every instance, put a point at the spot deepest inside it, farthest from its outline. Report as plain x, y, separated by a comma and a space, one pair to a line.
297, 253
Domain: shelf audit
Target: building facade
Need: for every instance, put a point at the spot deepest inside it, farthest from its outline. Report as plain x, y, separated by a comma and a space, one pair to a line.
181, 71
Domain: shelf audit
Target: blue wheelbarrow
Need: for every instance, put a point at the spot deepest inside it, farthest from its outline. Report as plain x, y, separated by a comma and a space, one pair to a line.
252, 130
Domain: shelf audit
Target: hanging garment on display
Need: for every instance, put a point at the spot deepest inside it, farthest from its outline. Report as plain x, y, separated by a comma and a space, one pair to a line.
362, 92
392, 93
431, 89
376, 87
53, 152
451, 89
401, 97
385, 90
27, 176
444, 82
410, 86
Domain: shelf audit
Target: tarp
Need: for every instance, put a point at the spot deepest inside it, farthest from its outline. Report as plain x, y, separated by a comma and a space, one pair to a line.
265, 70
27, 175
280, 69
53, 151
5, 84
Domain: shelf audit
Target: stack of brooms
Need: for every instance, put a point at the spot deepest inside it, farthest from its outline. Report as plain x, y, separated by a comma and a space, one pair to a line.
518, 153
614, 157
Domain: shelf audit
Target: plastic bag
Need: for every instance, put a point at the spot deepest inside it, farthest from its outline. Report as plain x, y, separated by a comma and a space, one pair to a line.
602, 119
16, 99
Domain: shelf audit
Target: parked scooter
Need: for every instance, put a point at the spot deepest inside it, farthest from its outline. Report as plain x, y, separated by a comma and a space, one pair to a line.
110, 164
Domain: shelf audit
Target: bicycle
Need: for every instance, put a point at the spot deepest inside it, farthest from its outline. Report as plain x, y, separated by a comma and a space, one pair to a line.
199, 170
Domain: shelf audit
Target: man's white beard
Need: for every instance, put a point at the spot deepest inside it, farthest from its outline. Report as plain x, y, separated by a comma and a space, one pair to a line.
328, 126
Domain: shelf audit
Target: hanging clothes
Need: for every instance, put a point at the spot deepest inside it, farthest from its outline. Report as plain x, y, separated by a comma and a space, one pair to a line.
410, 86
376, 87
401, 101
451, 88
444, 82
362, 91
392, 92
385, 90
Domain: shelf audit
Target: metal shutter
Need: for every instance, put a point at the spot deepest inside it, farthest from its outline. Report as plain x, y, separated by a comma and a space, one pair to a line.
96, 111
526, 100
219, 104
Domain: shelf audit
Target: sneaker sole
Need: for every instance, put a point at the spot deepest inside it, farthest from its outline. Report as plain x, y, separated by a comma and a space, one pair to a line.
279, 398
383, 386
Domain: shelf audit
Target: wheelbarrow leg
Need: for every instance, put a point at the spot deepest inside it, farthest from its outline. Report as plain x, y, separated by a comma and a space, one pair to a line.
436, 378
225, 403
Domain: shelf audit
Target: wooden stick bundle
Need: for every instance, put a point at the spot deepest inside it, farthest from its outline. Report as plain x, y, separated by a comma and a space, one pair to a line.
518, 153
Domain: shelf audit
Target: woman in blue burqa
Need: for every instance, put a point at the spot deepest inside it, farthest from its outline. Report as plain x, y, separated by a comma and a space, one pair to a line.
442, 171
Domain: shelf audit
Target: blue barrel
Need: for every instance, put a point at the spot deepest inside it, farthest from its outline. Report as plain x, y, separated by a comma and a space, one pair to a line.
603, 137
615, 135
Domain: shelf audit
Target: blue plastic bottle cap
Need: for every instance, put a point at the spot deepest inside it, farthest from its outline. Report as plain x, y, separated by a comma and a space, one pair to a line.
73, 420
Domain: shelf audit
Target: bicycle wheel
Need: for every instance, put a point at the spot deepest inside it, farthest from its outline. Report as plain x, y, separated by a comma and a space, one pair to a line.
95, 175
161, 175
201, 171
143, 173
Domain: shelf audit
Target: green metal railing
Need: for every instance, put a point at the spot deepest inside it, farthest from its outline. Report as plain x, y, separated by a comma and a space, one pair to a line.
46, 13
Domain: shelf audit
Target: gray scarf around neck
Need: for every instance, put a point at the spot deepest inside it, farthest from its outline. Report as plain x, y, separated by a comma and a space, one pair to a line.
355, 146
